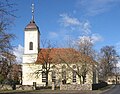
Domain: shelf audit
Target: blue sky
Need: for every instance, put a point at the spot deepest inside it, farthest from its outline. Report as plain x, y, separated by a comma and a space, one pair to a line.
59, 20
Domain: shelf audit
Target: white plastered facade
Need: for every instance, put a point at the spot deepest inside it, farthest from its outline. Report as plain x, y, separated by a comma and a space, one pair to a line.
30, 56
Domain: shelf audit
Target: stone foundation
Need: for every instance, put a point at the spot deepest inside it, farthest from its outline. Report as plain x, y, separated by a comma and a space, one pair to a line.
6, 87
17, 87
24, 87
76, 87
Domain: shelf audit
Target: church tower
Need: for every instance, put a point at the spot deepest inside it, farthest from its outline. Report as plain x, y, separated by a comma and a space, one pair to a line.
31, 50
31, 41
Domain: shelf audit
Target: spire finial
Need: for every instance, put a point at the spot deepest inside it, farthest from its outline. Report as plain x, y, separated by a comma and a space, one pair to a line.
32, 11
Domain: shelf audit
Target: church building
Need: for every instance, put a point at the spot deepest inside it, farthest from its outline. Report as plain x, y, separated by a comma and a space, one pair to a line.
59, 65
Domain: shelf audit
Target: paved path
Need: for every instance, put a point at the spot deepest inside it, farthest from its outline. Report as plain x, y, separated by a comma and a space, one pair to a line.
114, 90
60, 92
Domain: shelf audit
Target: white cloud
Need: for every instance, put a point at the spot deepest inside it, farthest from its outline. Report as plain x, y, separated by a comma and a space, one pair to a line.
93, 7
96, 38
18, 52
71, 28
53, 34
78, 28
82, 38
74, 24
93, 38
66, 20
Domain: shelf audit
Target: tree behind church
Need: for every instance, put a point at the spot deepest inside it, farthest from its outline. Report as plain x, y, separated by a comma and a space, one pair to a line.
77, 63
108, 61
82, 55
85, 45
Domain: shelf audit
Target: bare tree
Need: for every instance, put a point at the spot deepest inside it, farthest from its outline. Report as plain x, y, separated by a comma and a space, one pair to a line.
85, 46
79, 63
45, 59
6, 18
6, 55
108, 61
81, 59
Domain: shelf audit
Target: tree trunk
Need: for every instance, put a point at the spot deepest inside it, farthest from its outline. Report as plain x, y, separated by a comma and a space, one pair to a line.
46, 79
83, 79
80, 79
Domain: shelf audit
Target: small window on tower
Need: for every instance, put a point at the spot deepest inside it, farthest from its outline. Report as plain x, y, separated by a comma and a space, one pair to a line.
31, 46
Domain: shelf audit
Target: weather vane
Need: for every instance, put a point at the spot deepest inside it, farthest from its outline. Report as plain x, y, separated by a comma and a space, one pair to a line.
33, 11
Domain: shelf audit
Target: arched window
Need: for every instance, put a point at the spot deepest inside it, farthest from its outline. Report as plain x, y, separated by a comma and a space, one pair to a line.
43, 76
31, 46
53, 76
74, 73
74, 76
64, 72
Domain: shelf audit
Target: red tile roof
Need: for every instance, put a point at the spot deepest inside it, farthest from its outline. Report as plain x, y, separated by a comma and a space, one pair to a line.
57, 55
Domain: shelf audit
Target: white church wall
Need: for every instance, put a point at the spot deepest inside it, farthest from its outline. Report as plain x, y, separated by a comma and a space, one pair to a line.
31, 36
29, 58
30, 76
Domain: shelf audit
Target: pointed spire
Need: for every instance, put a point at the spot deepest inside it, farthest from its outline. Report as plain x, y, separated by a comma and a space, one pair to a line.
32, 11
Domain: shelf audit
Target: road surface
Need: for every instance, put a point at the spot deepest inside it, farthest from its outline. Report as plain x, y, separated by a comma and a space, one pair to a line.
114, 90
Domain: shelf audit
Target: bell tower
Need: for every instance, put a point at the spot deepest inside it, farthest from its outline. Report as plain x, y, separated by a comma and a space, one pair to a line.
31, 41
